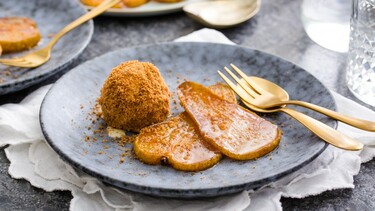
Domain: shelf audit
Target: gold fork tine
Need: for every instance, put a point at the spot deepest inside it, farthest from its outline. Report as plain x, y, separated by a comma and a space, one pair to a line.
19, 64
29, 65
4, 63
242, 83
8, 63
16, 62
239, 91
255, 86
11, 60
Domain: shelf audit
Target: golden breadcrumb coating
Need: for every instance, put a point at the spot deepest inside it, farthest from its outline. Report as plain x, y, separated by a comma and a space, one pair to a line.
134, 96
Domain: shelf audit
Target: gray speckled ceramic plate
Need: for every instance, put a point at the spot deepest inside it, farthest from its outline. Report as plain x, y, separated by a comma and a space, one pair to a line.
50, 16
151, 8
64, 120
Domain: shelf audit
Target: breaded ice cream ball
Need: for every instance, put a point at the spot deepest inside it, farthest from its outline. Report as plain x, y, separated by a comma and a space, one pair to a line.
134, 96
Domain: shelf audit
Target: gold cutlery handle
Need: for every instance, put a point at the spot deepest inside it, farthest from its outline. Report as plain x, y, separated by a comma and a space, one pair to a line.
325, 132
93, 13
355, 122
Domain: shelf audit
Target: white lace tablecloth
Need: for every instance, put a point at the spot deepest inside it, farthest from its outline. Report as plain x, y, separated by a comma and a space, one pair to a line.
32, 159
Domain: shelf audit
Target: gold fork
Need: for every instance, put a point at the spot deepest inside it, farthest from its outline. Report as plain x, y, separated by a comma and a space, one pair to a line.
328, 134
271, 95
41, 56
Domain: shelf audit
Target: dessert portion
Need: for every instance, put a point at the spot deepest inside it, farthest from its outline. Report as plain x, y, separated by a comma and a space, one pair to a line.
168, 1
177, 141
134, 96
134, 3
94, 3
125, 3
18, 34
237, 132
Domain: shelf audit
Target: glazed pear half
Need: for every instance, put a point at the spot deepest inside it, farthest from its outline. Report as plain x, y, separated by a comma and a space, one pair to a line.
233, 130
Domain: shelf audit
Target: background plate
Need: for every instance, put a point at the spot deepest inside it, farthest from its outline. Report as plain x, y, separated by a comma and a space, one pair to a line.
64, 120
51, 16
151, 8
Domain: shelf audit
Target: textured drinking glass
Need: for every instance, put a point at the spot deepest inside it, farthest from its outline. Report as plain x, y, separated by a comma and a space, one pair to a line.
360, 75
327, 22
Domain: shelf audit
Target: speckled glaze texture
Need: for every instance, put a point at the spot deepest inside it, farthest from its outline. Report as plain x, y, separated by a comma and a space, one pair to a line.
64, 123
51, 17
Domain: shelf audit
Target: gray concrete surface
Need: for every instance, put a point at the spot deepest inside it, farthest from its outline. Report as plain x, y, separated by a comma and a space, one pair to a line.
277, 29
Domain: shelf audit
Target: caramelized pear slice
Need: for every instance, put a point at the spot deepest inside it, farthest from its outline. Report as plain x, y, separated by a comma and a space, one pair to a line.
177, 141
224, 91
237, 132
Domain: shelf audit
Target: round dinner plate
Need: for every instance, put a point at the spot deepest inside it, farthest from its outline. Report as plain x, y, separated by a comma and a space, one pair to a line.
50, 16
151, 8
66, 122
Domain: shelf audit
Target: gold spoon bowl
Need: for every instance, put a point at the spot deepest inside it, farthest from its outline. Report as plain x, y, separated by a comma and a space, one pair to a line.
280, 97
222, 13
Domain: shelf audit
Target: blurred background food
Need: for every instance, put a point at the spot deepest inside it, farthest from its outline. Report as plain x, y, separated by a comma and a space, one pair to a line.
18, 34
125, 3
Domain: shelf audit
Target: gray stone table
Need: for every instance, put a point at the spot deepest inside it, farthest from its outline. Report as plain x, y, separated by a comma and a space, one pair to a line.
276, 29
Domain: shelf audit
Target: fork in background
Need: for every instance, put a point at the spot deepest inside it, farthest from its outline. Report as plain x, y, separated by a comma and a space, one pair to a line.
41, 56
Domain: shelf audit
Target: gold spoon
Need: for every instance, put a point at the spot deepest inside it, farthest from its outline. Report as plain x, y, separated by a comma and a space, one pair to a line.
222, 13
280, 97
269, 95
